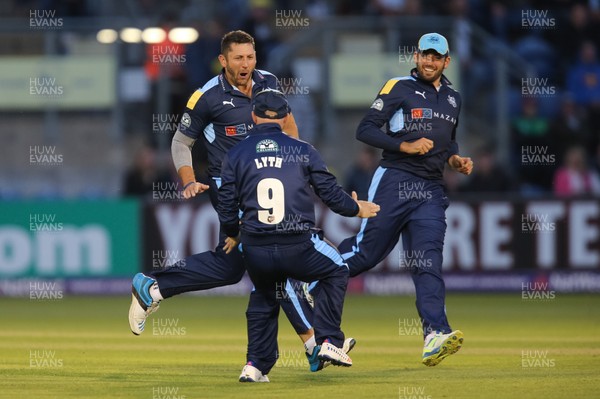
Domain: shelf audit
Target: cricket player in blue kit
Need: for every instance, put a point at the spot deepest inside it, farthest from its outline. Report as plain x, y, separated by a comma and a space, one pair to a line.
421, 112
220, 114
268, 178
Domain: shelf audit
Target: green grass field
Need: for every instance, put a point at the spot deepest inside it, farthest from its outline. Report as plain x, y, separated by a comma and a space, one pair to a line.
194, 347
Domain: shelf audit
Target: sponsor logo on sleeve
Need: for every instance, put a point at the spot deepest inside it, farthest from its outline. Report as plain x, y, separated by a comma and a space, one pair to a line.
186, 121
237, 130
378, 104
421, 113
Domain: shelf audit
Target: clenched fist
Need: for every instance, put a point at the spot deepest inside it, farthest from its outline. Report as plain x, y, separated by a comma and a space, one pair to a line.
417, 147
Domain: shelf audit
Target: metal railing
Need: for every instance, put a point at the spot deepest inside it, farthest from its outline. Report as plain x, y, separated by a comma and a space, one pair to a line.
322, 36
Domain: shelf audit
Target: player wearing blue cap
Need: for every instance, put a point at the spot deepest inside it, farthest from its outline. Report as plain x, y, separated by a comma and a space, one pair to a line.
270, 177
421, 112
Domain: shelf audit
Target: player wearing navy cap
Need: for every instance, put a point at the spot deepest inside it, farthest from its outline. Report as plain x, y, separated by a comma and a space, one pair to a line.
421, 112
270, 178
220, 114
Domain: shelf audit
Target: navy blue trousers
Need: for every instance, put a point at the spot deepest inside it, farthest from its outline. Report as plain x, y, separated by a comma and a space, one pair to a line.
216, 269
269, 266
414, 208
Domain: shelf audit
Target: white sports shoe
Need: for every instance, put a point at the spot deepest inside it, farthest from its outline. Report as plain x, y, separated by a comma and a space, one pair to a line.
142, 304
137, 315
438, 346
252, 374
337, 356
316, 364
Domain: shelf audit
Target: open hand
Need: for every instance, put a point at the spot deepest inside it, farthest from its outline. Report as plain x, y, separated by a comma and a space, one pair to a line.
231, 243
366, 209
193, 189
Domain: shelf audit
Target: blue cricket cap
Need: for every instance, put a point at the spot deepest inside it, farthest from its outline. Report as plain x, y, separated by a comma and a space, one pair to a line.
434, 41
270, 104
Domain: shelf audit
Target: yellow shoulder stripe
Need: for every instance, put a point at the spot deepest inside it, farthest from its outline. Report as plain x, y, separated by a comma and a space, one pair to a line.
194, 99
388, 86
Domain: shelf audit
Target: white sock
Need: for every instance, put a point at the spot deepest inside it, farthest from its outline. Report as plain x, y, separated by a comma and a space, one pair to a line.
155, 293
310, 345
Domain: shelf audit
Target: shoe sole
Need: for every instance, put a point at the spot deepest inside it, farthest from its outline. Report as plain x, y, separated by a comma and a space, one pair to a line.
452, 344
248, 379
334, 362
351, 345
135, 297
131, 311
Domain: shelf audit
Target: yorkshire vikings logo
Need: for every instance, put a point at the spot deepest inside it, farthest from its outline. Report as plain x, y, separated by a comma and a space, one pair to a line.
186, 120
452, 100
267, 145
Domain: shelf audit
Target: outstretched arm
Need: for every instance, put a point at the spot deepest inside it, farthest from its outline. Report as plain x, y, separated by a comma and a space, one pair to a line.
181, 151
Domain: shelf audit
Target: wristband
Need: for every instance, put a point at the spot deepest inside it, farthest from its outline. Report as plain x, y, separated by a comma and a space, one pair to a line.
187, 185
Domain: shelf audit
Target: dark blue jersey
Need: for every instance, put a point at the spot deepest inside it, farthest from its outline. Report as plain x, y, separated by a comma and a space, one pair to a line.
222, 114
413, 108
268, 176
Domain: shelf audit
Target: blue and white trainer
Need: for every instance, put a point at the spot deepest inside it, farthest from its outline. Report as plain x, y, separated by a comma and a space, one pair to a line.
315, 364
252, 374
142, 304
438, 346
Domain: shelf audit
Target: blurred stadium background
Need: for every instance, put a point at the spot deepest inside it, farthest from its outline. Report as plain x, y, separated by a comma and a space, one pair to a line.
91, 93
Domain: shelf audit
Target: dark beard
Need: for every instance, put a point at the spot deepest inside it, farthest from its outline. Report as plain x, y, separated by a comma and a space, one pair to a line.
437, 75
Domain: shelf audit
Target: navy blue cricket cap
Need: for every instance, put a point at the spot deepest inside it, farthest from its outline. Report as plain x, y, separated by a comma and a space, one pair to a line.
270, 104
434, 41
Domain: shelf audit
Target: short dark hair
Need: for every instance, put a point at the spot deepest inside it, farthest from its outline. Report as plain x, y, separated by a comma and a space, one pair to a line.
237, 37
